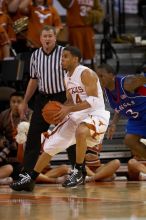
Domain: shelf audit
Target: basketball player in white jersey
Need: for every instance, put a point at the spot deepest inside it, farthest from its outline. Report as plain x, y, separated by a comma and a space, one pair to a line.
83, 120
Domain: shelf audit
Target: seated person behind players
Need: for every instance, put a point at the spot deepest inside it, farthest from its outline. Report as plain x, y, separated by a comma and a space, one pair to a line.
97, 171
106, 172
9, 119
137, 167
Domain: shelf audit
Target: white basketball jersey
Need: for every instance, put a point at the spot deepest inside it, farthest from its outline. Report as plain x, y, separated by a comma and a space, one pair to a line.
76, 88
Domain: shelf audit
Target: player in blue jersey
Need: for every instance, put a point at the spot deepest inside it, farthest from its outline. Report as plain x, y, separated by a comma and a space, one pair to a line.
127, 96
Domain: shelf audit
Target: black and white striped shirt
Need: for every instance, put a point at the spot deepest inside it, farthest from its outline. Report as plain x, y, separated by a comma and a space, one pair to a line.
48, 70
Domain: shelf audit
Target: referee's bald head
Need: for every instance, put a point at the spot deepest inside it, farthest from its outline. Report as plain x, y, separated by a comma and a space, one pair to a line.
48, 28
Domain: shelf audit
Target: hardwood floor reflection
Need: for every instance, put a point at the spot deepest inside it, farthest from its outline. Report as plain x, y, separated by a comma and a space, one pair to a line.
102, 201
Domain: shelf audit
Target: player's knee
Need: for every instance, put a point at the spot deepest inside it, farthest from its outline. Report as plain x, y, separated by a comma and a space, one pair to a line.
131, 162
131, 140
117, 163
82, 131
128, 140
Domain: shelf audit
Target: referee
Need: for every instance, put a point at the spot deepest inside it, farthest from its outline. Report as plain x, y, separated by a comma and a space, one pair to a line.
46, 75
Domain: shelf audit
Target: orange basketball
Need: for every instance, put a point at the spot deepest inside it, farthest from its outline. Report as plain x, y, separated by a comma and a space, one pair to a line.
49, 110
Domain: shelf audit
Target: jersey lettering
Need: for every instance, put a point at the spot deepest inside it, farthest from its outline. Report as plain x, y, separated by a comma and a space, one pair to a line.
75, 90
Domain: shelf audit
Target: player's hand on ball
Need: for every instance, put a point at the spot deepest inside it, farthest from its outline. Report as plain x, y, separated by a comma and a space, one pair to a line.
64, 111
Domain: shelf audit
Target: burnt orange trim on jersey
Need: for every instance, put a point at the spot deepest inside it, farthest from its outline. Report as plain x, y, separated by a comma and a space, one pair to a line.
55, 130
96, 148
47, 135
92, 127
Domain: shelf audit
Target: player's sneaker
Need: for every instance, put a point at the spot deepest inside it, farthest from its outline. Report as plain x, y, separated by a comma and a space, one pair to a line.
76, 178
23, 183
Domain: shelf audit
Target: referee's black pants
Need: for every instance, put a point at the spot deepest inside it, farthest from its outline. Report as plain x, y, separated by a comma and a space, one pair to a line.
37, 126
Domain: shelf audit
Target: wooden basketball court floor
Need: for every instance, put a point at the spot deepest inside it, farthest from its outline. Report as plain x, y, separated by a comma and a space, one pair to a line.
103, 201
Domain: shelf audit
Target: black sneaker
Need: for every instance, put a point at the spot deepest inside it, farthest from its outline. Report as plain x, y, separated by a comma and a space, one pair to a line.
23, 183
76, 178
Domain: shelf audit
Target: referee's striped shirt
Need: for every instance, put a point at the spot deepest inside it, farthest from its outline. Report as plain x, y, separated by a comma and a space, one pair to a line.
48, 70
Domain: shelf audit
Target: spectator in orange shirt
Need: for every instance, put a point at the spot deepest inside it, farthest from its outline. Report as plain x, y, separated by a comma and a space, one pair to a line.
6, 22
40, 14
20, 25
81, 18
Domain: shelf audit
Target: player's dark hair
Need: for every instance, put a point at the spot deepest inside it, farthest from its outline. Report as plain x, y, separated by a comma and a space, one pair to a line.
107, 68
74, 51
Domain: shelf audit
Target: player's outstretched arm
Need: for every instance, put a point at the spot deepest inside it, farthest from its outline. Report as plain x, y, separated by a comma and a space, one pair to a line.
112, 127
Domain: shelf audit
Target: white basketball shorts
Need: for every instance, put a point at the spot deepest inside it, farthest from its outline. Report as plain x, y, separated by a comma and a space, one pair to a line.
63, 135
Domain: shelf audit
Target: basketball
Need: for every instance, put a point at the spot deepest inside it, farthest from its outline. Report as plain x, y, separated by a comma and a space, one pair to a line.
49, 110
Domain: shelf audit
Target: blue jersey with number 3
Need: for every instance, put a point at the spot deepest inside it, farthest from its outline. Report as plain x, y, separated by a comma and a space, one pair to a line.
131, 105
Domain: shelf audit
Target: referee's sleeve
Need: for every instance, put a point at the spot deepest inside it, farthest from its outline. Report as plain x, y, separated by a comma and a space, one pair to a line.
33, 72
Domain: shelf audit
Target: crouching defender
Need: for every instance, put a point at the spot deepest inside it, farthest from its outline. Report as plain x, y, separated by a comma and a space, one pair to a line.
83, 121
